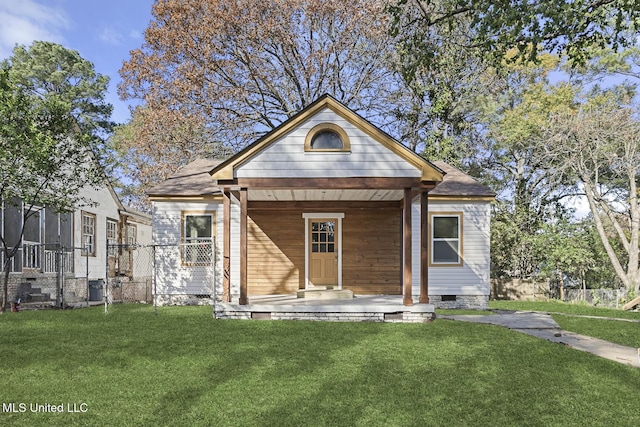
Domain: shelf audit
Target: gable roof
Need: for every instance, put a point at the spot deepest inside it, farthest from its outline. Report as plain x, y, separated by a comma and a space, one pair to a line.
458, 184
225, 170
189, 181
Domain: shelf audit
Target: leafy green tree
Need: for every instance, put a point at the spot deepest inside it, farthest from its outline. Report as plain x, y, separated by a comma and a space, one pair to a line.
514, 252
515, 114
440, 121
53, 119
601, 273
564, 245
604, 63
495, 27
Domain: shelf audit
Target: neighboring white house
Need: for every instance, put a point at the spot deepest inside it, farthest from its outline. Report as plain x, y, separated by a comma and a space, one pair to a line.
324, 200
61, 254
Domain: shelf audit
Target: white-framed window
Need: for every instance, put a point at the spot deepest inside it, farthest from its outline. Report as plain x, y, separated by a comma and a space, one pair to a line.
446, 239
198, 237
132, 232
112, 231
88, 234
112, 236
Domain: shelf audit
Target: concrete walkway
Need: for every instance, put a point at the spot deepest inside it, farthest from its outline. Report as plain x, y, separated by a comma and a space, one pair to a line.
542, 325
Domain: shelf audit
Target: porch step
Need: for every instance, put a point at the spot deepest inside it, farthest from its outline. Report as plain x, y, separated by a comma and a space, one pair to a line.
324, 294
320, 287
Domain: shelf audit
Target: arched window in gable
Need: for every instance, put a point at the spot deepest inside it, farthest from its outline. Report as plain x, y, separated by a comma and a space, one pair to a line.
327, 137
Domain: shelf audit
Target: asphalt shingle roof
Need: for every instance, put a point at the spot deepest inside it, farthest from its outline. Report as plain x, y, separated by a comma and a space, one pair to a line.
194, 180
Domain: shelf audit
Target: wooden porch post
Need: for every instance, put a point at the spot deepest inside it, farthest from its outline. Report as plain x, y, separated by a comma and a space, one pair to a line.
226, 252
243, 247
424, 247
407, 300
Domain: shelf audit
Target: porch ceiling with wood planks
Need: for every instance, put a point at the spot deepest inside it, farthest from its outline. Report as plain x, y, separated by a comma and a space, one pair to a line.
301, 195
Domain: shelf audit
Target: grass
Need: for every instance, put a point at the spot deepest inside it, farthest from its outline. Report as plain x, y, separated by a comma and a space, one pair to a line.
624, 333
597, 324
563, 307
184, 368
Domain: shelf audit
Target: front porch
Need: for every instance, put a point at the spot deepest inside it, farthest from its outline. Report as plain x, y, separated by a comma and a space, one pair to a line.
361, 308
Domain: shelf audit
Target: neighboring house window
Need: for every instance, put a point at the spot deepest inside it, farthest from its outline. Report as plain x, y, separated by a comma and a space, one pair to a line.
33, 226
446, 239
327, 137
132, 231
112, 231
88, 234
31, 248
112, 236
198, 238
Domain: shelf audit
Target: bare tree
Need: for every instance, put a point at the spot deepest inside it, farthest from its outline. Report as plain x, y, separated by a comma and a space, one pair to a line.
599, 146
247, 66
157, 142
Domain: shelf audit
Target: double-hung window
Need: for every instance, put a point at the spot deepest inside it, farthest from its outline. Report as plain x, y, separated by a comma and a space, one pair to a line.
112, 237
446, 239
132, 232
88, 234
197, 235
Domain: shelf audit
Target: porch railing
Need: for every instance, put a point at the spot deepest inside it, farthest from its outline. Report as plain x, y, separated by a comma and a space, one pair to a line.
31, 255
40, 257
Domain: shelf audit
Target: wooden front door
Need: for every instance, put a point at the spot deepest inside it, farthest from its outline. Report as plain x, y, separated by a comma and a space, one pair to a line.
323, 252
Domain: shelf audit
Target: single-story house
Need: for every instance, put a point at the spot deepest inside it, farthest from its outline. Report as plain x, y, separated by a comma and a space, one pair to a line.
325, 200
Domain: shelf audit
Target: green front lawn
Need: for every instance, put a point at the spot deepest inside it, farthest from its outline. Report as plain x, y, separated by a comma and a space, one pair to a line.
625, 333
184, 368
595, 323
554, 306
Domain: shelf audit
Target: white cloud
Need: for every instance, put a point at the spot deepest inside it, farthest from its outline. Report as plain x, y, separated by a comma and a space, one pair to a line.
26, 20
581, 206
135, 35
111, 36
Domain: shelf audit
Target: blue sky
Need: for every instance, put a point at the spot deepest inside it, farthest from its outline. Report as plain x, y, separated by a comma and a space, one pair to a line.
102, 31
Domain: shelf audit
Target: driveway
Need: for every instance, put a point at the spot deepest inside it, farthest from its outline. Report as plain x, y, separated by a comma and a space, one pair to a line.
542, 325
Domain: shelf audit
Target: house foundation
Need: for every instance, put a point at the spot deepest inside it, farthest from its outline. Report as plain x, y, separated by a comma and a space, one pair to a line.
364, 308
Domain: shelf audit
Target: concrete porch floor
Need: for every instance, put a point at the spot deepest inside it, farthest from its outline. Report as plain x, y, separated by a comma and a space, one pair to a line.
361, 308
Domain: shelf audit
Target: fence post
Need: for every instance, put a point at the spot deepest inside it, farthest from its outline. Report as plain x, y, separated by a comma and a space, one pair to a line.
214, 254
155, 289
106, 280
59, 273
60, 269
86, 256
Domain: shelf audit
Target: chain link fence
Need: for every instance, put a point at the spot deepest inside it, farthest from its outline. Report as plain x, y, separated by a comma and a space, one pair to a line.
130, 274
180, 273
611, 298
51, 275
56, 276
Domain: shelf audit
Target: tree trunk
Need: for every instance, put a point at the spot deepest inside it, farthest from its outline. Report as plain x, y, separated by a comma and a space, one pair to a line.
561, 284
5, 285
8, 256
615, 262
